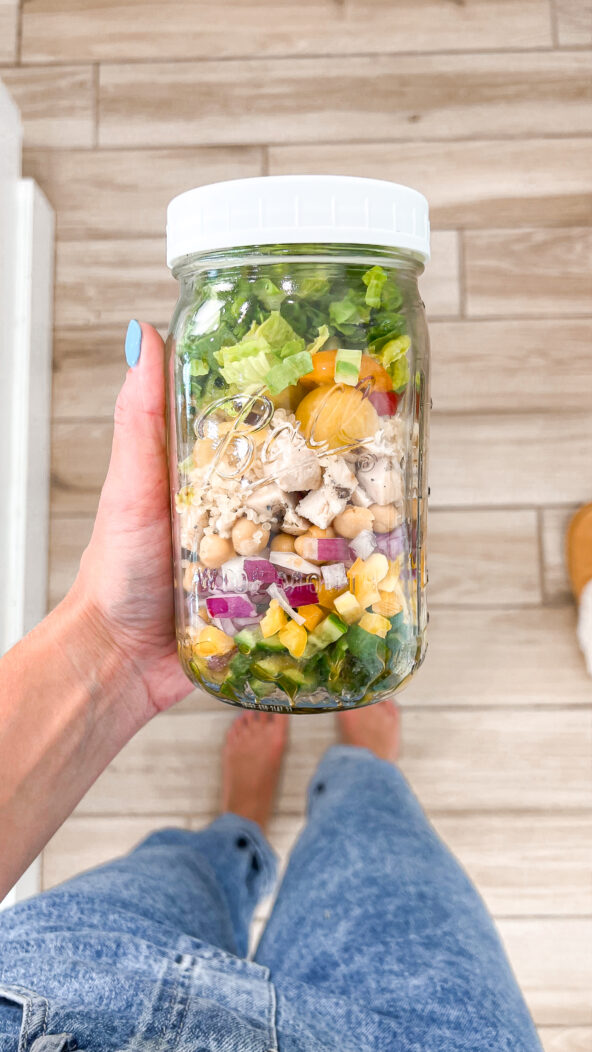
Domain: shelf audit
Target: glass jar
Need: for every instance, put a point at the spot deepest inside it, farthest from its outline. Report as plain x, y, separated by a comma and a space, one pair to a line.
298, 396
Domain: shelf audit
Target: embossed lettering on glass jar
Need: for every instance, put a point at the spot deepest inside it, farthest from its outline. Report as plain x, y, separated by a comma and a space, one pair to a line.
298, 395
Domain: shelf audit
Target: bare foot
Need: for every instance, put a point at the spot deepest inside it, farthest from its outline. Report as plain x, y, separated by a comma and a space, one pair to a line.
251, 764
377, 727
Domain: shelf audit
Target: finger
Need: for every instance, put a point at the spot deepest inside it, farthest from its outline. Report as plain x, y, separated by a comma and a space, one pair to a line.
139, 441
146, 379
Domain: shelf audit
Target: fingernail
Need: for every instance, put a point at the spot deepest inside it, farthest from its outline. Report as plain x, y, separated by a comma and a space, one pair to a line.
133, 343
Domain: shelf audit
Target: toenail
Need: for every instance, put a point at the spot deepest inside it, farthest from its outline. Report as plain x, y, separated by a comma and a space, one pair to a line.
242, 842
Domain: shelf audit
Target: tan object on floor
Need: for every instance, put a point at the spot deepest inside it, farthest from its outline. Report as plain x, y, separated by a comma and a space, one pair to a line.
579, 549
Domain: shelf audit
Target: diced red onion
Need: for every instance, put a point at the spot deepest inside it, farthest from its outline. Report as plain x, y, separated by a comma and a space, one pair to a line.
224, 624
261, 571
392, 544
230, 606
302, 595
294, 563
232, 576
278, 593
363, 544
247, 622
326, 549
334, 576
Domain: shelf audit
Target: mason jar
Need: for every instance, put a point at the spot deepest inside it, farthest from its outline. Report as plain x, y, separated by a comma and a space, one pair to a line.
298, 397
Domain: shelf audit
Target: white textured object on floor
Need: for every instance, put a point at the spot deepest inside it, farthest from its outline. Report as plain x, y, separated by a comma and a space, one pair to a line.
585, 625
26, 294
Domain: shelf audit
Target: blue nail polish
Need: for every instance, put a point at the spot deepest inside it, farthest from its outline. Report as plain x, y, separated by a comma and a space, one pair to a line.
133, 343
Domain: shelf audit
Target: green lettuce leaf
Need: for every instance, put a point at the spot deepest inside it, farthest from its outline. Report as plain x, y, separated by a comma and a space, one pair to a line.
399, 372
320, 340
288, 372
394, 349
248, 371
374, 280
349, 313
278, 332
392, 297
313, 288
268, 293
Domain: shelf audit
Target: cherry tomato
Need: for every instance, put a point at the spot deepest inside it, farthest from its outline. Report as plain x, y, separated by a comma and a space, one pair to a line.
384, 402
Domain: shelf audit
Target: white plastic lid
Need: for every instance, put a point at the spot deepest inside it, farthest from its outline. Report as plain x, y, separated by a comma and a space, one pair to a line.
297, 209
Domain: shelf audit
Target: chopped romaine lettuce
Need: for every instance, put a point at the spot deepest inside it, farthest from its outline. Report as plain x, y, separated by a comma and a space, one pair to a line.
399, 372
374, 280
320, 340
394, 349
314, 288
246, 371
278, 332
288, 372
268, 293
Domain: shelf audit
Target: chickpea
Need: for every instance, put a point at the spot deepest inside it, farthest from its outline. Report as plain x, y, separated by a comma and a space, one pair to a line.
282, 542
352, 520
316, 531
386, 517
215, 550
249, 538
203, 452
301, 544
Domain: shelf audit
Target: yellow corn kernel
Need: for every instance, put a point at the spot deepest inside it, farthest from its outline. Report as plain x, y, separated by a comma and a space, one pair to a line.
294, 637
313, 614
375, 624
275, 618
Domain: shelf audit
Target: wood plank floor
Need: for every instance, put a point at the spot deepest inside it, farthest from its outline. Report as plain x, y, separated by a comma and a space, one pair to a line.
486, 107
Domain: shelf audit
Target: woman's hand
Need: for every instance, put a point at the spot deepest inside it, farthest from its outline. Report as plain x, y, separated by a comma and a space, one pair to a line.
126, 579
79, 686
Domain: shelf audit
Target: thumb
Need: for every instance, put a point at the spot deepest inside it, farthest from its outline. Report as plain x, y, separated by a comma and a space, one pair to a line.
138, 456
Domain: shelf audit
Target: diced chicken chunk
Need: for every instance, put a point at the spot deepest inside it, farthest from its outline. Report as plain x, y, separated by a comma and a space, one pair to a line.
289, 461
293, 523
360, 498
339, 474
269, 502
321, 506
382, 482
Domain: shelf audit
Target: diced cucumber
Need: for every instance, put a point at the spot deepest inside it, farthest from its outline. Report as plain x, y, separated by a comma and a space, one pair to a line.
247, 639
261, 688
328, 631
270, 668
369, 650
239, 667
347, 366
271, 645
294, 678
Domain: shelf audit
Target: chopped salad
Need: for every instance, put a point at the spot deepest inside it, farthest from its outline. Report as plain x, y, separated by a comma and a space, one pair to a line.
298, 568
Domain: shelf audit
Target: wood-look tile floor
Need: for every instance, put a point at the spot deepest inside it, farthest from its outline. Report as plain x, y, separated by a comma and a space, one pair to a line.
485, 105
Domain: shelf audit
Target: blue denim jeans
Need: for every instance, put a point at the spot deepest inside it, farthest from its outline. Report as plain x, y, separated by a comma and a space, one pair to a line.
377, 940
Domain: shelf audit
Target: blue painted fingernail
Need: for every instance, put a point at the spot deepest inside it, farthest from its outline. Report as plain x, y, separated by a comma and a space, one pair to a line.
133, 343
